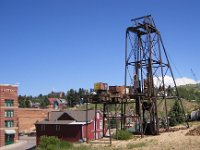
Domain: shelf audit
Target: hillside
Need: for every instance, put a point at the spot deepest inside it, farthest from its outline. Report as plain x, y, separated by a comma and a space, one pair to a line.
190, 92
28, 118
191, 86
178, 138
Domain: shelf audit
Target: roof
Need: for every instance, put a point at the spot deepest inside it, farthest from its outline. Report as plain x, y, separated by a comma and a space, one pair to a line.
55, 122
13, 85
60, 101
52, 100
54, 115
63, 100
78, 116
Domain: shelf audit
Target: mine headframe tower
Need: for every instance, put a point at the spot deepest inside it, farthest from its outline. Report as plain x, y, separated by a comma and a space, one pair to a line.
146, 67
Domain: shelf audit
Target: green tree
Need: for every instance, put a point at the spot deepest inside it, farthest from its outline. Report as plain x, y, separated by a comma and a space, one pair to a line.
73, 97
176, 115
44, 102
22, 101
113, 122
169, 90
27, 103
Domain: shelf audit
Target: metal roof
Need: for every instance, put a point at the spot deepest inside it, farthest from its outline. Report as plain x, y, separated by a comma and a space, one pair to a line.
55, 122
80, 115
77, 115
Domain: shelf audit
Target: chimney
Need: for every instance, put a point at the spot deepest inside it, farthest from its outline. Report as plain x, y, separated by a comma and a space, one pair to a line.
49, 115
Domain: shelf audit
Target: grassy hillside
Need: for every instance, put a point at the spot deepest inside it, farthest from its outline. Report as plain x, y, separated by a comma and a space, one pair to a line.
190, 92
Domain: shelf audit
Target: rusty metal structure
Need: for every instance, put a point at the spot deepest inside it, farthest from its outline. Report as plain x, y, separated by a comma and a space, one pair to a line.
147, 67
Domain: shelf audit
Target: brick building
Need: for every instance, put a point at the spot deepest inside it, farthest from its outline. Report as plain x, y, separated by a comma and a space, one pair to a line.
8, 114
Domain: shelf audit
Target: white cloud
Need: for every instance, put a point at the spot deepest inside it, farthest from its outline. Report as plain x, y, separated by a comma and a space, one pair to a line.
185, 80
179, 81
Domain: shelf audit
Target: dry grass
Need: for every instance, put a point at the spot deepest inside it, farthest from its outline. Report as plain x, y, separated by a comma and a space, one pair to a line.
175, 140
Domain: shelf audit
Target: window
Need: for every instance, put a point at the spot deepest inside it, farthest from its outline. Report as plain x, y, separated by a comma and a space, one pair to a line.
97, 115
42, 127
9, 123
9, 102
101, 124
9, 113
95, 124
101, 134
97, 136
57, 127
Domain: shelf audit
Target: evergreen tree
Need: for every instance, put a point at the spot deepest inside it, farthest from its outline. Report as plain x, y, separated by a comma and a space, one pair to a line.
176, 115
72, 97
27, 103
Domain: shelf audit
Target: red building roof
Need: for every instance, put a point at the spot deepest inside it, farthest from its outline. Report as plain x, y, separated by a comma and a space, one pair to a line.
52, 100
68, 116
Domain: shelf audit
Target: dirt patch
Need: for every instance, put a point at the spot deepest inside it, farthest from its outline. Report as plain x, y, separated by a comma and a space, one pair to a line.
28, 118
194, 132
173, 129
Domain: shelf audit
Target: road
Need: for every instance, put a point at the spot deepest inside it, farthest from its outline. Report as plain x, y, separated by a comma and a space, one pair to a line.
25, 143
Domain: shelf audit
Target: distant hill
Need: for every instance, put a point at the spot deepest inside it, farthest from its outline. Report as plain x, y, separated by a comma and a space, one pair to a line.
190, 92
191, 86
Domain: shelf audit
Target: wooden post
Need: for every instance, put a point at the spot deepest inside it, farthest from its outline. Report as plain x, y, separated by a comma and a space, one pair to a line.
108, 117
95, 128
116, 120
104, 113
87, 121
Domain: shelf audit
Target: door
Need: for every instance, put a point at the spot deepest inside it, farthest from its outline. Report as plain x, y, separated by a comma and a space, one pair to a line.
9, 139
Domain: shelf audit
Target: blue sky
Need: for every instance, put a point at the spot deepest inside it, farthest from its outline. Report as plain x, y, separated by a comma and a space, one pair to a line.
63, 44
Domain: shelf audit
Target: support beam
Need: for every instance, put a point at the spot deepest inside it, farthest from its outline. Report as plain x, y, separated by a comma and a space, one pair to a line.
95, 128
87, 121
116, 120
104, 114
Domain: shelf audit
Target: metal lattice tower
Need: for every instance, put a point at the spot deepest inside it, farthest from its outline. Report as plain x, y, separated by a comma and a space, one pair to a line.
146, 68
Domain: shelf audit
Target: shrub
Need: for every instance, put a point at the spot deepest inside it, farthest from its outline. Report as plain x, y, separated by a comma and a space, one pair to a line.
53, 143
65, 145
123, 135
48, 143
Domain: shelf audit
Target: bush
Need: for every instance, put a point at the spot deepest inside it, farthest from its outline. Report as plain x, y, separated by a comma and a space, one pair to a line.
53, 143
48, 143
123, 135
65, 145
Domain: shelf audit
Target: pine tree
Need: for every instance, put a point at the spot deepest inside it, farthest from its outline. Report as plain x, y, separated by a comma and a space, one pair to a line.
176, 115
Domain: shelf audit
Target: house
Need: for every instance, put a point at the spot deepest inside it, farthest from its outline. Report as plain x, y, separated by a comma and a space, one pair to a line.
71, 125
34, 104
57, 103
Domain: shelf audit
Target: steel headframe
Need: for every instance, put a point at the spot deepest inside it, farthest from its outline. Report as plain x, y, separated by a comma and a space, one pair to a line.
146, 68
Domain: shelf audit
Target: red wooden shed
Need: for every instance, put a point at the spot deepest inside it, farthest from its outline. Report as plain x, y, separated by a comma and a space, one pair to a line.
71, 125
